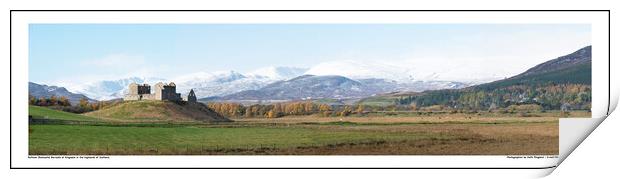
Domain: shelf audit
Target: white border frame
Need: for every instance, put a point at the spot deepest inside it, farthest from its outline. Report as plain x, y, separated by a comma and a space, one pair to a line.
19, 78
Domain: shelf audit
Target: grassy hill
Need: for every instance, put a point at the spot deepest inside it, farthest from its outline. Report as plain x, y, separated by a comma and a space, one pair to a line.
565, 80
38, 112
577, 74
158, 111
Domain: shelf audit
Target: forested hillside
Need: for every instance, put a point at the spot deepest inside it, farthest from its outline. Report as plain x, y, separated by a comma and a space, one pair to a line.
561, 83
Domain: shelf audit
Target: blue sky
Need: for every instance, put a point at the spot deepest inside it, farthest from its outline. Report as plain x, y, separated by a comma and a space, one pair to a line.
86, 52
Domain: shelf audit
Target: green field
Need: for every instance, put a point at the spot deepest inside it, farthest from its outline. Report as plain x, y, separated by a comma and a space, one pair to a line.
378, 101
441, 134
46, 113
76, 139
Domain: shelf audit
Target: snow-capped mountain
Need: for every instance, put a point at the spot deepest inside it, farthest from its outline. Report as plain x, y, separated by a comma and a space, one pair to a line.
207, 84
362, 70
278, 73
388, 86
387, 77
335, 87
374, 77
220, 83
110, 89
405, 72
306, 86
41, 90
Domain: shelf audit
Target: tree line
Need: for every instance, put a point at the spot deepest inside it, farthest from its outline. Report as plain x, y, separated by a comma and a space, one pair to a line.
49, 101
549, 97
511, 99
236, 110
63, 103
276, 110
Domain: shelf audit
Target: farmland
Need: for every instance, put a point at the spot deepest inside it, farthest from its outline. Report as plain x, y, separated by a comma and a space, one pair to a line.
402, 134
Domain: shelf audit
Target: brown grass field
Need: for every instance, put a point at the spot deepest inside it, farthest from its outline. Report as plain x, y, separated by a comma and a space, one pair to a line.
446, 135
434, 134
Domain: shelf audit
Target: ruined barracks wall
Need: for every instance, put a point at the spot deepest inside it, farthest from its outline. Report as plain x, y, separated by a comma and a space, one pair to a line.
133, 97
191, 97
161, 92
169, 92
135, 89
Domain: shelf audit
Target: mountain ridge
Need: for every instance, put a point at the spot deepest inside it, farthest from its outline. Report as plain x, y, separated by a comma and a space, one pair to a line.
41, 90
223, 83
581, 56
330, 86
575, 68
560, 83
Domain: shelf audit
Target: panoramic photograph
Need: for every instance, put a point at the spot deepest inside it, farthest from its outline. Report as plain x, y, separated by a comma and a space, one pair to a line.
305, 89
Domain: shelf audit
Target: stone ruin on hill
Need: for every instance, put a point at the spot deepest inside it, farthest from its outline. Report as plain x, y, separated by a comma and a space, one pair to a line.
161, 92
